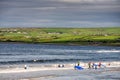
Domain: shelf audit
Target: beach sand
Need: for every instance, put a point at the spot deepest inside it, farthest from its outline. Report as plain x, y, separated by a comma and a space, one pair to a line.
111, 71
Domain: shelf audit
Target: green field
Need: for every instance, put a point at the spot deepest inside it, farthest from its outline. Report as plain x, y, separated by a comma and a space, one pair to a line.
74, 36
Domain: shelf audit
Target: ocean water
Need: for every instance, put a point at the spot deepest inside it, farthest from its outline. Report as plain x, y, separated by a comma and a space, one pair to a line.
20, 53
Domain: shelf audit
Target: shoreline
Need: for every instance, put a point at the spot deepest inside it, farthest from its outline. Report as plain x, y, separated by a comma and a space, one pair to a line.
42, 67
63, 44
62, 73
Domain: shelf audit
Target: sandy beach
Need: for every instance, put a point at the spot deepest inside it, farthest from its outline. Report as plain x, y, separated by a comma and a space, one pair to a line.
110, 71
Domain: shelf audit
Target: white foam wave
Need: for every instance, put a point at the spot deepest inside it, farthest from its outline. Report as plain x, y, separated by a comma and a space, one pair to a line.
108, 51
84, 51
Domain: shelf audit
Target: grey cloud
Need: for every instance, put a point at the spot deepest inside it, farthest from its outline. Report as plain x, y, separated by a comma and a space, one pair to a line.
59, 12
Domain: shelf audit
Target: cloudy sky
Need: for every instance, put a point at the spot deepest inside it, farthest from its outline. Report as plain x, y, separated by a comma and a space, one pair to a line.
59, 13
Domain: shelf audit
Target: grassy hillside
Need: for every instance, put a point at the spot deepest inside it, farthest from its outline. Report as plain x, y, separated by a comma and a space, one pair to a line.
80, 36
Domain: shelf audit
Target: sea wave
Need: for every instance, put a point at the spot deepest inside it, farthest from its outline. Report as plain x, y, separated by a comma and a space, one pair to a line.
82, 51
42, 61
108, 51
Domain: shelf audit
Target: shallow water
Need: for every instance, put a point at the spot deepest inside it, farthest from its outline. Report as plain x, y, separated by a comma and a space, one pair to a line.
15, 53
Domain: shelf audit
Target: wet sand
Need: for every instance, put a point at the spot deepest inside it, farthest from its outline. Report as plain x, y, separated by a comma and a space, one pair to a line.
48, 72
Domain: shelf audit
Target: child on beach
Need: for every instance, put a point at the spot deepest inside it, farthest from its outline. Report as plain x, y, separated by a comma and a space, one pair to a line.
25, 67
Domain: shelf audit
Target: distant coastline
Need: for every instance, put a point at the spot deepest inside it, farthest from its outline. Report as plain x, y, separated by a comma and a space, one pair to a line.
62, 36
71, 44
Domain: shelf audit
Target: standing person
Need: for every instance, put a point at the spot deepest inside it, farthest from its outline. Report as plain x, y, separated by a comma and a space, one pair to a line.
99, 65
89, 65
25, 67
78, 63
93, 65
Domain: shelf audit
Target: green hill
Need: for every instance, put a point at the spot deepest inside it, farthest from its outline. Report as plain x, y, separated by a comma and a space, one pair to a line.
76, 36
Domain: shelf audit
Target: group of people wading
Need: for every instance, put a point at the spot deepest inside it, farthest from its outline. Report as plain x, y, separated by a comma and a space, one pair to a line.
92, 65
